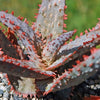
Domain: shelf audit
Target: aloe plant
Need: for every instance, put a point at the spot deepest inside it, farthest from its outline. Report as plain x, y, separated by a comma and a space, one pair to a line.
39, 56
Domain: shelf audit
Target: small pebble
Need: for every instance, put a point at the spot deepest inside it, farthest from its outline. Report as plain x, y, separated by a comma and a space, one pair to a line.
1, 93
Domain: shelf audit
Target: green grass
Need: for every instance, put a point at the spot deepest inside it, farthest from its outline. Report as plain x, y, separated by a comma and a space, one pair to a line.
25, 8
82, 14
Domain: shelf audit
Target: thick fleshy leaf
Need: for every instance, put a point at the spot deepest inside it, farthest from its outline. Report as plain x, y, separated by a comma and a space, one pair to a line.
41, 84
7, 47
22, 68
75, 48
77, 74
50, 18
28, 40
51, 49
22, 85
16, 24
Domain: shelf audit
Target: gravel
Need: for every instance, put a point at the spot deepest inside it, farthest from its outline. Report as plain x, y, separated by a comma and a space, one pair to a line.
87, 88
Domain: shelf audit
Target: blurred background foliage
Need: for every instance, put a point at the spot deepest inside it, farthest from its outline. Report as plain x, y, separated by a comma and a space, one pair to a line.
82, 14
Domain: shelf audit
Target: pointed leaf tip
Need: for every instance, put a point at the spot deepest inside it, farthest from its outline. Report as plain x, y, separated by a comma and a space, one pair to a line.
75, 30
93, 50
1, 52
